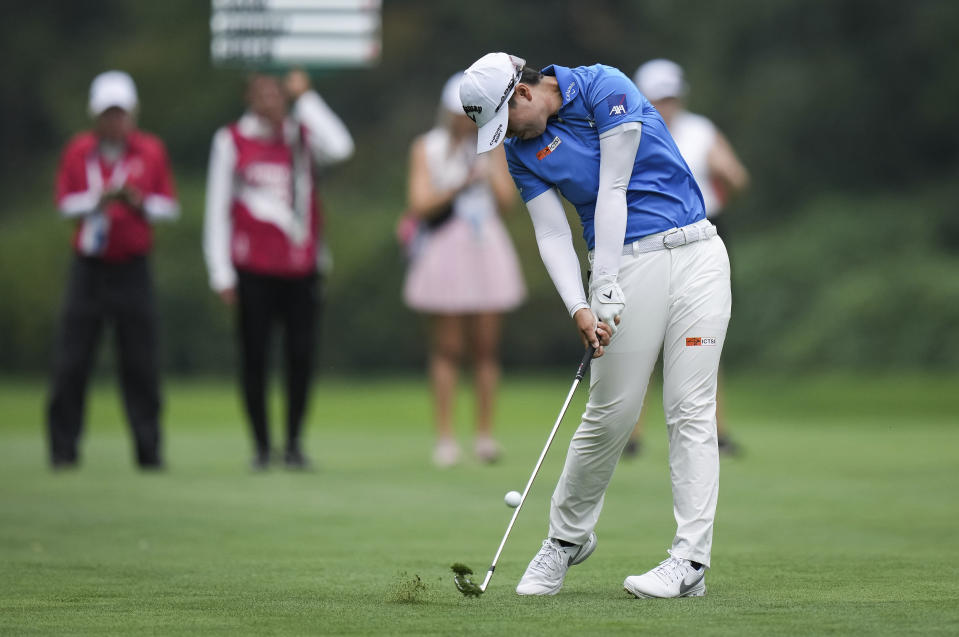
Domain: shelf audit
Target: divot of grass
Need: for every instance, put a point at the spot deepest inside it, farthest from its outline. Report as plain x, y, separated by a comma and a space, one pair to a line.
409, 590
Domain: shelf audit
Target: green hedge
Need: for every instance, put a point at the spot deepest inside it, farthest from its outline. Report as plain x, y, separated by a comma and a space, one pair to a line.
850, 282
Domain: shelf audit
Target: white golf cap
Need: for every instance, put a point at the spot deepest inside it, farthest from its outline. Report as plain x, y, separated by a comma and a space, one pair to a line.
487, 86
112, 88
659, 79
450, 99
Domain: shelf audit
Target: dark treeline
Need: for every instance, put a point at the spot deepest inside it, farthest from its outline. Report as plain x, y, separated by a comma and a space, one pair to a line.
844, 250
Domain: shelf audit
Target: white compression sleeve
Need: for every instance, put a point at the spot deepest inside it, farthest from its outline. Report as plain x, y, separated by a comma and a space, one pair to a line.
555, 241
617, 154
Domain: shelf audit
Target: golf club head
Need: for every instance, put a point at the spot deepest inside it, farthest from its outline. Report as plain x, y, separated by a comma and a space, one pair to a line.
464, 584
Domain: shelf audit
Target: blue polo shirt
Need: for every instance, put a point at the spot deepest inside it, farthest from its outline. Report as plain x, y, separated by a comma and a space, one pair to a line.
662, 193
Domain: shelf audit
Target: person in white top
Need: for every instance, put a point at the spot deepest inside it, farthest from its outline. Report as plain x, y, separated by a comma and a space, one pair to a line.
463, 271
717, 170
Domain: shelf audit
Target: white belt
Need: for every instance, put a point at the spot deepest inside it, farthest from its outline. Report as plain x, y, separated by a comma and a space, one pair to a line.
669, 239
699, 231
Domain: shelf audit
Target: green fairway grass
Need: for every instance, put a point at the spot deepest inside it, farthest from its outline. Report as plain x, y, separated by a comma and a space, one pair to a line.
841, 518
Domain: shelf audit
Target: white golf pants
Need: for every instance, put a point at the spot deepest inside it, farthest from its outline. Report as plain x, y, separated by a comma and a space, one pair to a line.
679, 301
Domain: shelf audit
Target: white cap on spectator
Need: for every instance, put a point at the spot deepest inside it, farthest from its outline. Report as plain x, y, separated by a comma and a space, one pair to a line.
450, 99
112, 88
487, 86
659, 79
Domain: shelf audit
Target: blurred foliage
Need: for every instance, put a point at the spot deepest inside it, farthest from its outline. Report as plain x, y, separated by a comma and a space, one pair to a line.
844, 251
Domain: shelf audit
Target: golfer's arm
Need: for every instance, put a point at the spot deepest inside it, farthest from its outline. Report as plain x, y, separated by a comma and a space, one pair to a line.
555, 241
617, 154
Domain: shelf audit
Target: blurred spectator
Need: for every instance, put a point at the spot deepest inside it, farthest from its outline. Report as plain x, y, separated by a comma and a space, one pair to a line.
113, 182
714, 165
263, 239
463, 271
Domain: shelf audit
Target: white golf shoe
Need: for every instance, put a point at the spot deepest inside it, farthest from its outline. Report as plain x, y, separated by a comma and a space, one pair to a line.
674, 577
545, 574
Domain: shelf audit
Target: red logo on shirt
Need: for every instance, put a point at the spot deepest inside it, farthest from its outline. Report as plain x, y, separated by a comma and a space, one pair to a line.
546, 151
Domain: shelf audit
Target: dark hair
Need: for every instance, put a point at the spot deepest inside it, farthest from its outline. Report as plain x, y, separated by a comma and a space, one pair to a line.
529, 76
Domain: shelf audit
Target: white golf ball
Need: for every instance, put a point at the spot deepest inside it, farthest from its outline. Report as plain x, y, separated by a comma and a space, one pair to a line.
512, 499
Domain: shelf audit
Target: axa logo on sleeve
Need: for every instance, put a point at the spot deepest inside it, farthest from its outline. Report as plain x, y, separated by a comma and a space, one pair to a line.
617, 104
546, 151
700, 341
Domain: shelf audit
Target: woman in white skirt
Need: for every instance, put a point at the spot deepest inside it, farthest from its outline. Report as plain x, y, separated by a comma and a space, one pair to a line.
463, 272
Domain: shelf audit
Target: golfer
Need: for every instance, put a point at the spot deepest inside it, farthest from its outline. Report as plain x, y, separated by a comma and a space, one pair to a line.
659, 281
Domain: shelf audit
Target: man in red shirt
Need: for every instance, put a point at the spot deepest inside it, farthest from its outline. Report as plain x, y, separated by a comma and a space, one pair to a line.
263, 239
113, 182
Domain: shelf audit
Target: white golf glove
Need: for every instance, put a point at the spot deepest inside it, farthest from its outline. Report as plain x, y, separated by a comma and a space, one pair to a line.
606, 300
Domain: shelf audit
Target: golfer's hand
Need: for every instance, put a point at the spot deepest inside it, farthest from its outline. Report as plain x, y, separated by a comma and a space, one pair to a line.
593, 332
607, 302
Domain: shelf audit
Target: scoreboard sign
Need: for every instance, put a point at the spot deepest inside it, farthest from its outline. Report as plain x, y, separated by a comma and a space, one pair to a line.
309, 33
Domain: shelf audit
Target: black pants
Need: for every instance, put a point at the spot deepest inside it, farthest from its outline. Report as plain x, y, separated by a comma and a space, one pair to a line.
98, 293
295, 304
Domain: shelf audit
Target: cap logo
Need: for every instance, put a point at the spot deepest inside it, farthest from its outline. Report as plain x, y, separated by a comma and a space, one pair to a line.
470, 110
496, 135
509, 87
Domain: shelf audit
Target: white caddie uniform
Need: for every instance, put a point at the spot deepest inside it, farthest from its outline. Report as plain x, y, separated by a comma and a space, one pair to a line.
644, 222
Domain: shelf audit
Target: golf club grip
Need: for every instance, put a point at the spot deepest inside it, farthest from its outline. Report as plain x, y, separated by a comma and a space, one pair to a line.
584, 364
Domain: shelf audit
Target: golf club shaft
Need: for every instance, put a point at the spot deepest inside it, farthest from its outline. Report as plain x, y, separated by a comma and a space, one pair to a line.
580, 373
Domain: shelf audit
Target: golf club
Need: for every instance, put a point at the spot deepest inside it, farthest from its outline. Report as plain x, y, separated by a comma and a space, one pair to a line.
462, 572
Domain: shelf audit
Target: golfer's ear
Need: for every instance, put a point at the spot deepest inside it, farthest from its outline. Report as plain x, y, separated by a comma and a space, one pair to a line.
523, 90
